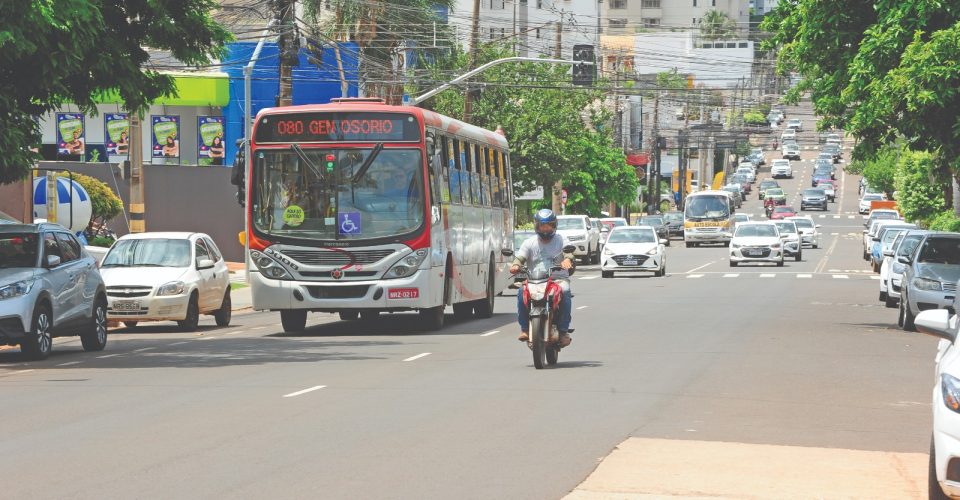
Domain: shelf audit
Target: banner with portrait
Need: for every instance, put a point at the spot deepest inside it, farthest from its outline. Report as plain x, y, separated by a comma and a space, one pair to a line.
70, 134
166, 136
116, 133
210, 141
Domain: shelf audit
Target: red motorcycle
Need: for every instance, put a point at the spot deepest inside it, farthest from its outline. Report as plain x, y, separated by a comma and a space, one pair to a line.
542, 296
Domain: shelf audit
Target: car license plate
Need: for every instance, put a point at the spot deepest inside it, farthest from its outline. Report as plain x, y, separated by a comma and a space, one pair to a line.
403, 293
630, 262
753, 252
126, 305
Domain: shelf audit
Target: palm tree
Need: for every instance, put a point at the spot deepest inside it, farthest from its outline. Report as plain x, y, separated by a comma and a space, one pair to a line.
717, 25
381, 29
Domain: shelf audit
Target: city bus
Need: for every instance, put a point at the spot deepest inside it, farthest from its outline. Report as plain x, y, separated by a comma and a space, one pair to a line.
359, 208
707, 218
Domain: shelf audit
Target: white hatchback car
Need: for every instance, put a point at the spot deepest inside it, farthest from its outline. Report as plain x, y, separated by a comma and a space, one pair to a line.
808, 230
633, 248
944, 476
166, 277
781, 168
756, 242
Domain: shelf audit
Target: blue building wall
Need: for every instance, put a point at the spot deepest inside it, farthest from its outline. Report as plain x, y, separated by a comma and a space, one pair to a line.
311, 84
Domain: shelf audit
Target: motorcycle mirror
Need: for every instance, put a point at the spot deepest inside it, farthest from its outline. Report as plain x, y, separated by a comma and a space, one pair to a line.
506, 252
569, 249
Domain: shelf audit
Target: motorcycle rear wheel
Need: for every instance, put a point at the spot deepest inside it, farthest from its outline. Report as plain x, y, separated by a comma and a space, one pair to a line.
538, 341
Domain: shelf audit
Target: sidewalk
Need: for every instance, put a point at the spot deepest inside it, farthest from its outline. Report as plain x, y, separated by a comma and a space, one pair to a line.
664, 468
241, 296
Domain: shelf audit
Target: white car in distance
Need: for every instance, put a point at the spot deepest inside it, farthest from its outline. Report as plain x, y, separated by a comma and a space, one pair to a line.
796, 124
809, 234
781, 168
166, 277
748, 173
633, 248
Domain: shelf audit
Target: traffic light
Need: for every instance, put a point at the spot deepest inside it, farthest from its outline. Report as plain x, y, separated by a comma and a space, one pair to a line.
583, 73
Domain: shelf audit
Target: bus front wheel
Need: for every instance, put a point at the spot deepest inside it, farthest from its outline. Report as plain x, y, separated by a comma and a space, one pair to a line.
293, 320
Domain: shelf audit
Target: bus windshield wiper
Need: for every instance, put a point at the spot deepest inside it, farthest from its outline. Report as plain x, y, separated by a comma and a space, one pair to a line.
305, 159
366, 164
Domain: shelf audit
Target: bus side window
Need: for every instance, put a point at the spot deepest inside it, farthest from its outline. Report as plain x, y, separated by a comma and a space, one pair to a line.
475, 175
433, 168
485, 177
466, 157
455, 179
495, 177
505, 182
444, 152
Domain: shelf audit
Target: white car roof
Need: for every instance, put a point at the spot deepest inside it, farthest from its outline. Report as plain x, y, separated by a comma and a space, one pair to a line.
170, 235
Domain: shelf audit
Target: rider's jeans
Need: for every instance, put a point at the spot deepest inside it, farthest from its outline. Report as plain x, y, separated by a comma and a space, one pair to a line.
566, 305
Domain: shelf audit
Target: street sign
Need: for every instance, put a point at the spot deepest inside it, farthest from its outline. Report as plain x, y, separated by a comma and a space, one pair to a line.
536, 194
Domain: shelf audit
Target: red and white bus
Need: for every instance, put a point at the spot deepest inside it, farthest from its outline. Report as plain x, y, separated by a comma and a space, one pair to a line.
359, 208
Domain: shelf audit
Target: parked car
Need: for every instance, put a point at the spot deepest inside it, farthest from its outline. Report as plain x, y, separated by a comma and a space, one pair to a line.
880, 214
809, 234
519, 236
748, 173
745, 185
943, 480
891, 270
758, 157
49, 287
659, 224
167, 277
765, 185
792, 245
930, 276
782, 212
756, 242
864, 206
577, 232
781, 168
813, 198
791, 152
870, 233
883, 241
674, 223
633, 248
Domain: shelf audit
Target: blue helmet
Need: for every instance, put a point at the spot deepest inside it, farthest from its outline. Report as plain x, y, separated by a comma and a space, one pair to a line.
545, 217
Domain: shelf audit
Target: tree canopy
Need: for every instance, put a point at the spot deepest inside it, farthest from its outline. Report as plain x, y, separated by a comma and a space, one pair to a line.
54, 52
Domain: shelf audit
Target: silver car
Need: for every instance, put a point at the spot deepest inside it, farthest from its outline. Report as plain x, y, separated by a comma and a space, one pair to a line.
49, 287
930, 276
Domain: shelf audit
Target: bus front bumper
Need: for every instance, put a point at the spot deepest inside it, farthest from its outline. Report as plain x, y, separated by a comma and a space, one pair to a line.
699, 235
422, 289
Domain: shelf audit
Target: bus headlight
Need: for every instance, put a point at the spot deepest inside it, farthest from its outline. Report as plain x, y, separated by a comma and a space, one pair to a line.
408, 265
268, 267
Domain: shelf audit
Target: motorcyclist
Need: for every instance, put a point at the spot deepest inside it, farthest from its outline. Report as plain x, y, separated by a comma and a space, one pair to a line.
547, 245
768, 205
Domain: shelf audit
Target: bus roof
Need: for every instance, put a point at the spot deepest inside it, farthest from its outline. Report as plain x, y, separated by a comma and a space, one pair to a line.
427, 117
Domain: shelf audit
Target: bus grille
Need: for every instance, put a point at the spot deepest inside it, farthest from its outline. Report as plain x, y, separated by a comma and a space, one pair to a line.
337, 258
338, 292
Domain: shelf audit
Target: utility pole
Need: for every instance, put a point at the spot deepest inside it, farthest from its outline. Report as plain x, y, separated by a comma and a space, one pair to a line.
289, 50
557, 202
137, 205
653, 165
474, 47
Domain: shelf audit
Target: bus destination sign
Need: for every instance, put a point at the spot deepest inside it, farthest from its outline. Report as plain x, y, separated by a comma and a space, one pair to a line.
337, 127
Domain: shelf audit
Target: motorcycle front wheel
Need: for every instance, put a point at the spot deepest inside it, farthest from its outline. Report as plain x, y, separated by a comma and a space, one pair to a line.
539, 341
553, 349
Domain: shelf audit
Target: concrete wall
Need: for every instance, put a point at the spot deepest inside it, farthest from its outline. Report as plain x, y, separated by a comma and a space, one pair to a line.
12, 200
713, 67
177, 199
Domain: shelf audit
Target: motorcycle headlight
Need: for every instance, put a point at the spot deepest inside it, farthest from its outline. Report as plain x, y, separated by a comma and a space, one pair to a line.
18, 289
950, 386
172, 288
408, 265
926, 284
268, 267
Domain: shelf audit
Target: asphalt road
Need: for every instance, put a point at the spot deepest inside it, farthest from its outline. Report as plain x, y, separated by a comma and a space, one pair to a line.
802, 355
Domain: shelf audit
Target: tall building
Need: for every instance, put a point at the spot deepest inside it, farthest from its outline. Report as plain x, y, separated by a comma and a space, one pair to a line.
530, 25
636, 16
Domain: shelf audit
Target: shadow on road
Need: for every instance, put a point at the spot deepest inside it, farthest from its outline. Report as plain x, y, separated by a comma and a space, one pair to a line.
407, 324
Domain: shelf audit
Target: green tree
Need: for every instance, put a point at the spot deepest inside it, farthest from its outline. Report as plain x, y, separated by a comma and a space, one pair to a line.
54, 52
918, 196
716, 25
105, 203
881, 170
601, 176
880, 70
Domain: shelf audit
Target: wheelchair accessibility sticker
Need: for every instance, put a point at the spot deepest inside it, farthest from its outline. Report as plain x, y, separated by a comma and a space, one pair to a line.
349, 222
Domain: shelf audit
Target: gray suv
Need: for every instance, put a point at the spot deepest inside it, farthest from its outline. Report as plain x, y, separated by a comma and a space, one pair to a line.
930, 276
49, 287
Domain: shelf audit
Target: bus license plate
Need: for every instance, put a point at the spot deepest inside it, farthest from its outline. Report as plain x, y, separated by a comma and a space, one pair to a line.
126, 305
403, 293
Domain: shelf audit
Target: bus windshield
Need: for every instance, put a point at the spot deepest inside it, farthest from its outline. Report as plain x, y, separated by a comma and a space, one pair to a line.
708, 207
336, 194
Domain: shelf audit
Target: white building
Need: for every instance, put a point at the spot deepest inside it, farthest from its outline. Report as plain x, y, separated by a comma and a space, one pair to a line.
631, 16
714, 64
530, 24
